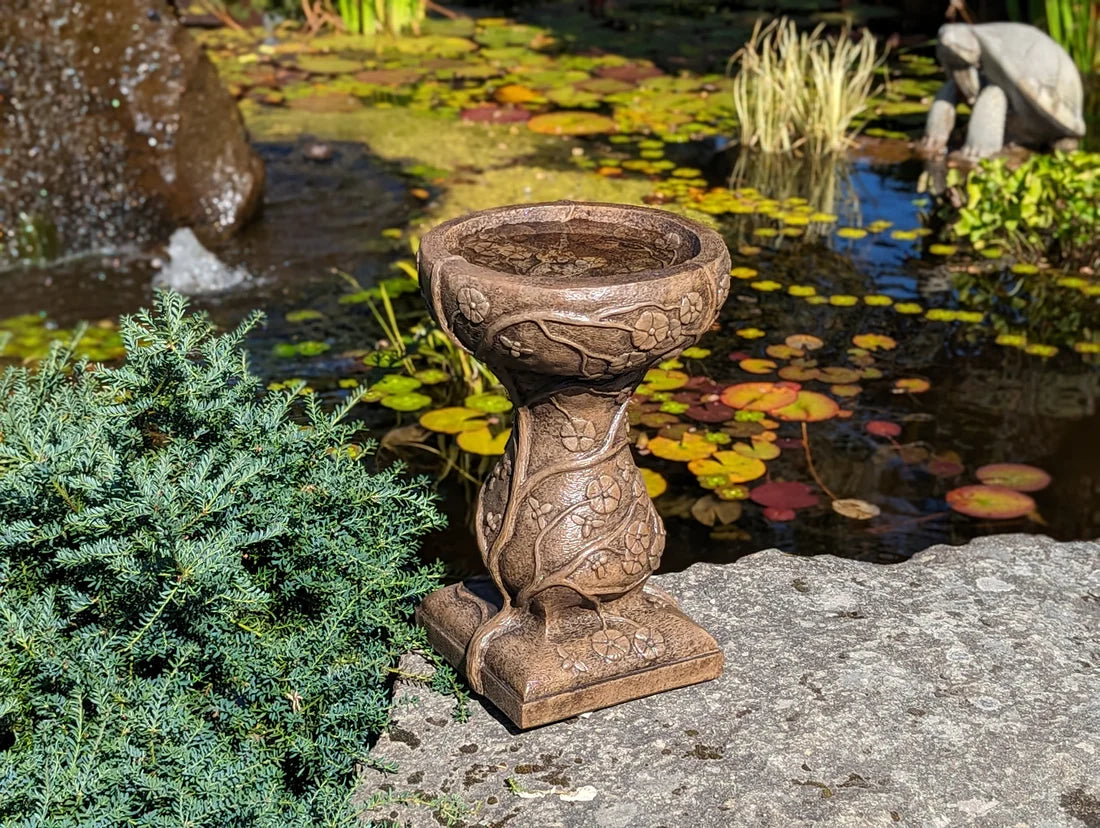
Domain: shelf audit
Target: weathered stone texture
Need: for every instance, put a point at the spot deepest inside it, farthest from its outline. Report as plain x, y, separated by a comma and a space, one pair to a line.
114, 126
959, 688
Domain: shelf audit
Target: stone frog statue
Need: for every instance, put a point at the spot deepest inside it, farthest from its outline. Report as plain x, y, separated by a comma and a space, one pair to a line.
1015, 79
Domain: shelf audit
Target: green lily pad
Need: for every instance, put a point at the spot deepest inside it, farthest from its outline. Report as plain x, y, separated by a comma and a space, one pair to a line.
391, 384
432, 376
412, 401
452, 420
489, 403
304, 315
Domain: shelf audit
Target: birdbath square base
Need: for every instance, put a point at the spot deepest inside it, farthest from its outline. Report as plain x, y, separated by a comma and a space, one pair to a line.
544, 672
569, 305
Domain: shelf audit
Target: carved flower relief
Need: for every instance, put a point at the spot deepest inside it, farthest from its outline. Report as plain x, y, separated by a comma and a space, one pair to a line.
723, 288
625, 362
648, 644
472, 304
588, 523
540, 512
609, 644
691, 308
570, 663
514, 347
650, 329
638, 542
598, 561
604, 494
578, 434
492, 520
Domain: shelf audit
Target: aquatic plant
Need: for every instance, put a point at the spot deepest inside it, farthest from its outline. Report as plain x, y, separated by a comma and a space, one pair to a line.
202, 599
1047, 206
1073, 24
797, 90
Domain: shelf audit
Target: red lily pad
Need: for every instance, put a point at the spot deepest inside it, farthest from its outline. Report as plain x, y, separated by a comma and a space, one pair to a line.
495, 114
712, 412
883, 428
1016, 476
784, 495
990, 502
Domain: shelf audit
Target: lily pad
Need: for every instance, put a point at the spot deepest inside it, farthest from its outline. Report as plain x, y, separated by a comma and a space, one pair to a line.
710, 510
735, 466
655, 483
452, 420
571, 122
874, 342
757, 366
409, 401
391, 384
804, 342
759, 396
1018, 476
784, 495
489, 403
856, 509
911, 385
808, 407
883, 428
482, 441
691, 446
990, 502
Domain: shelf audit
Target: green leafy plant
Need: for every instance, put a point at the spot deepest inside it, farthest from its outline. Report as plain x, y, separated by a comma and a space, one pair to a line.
202, 599
371, 16
1049, 205
802, 90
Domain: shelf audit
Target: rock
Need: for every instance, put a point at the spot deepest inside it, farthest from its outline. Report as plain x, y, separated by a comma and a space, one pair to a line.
961, 687
116, 127
192, 269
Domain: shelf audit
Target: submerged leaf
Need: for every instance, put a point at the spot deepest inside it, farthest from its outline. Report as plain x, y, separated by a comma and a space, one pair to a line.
1018, 476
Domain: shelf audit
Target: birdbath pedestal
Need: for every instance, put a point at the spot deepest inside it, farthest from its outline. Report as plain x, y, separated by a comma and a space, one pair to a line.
570, 304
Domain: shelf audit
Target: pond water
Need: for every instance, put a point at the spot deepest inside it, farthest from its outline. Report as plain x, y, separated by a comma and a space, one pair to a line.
896, 342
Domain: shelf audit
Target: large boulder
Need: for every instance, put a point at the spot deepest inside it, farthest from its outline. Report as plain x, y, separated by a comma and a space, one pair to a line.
961, 687
114, 128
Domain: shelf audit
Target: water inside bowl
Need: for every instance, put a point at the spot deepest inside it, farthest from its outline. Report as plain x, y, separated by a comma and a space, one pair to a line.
576, 249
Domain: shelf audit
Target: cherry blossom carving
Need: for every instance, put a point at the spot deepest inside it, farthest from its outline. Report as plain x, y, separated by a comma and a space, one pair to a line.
492, 520
604, 494
610, 644
578, 434
648, 643
650, 329
472, 304
588, 523
540, 512
598, 561
514, 347
570, 663
691, 308
639, 539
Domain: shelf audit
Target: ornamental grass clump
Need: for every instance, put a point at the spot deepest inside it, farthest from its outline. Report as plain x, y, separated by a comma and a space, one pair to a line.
801, 91
202, 599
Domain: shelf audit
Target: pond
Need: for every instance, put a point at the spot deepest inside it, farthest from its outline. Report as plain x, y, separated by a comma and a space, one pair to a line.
913, 369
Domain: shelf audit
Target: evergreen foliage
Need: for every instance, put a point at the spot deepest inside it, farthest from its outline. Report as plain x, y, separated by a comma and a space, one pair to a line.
201, 600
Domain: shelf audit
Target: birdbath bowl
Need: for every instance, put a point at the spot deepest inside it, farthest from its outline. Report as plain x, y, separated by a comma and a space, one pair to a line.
570, 304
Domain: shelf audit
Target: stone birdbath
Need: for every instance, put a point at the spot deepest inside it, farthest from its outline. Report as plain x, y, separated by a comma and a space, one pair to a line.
570, 304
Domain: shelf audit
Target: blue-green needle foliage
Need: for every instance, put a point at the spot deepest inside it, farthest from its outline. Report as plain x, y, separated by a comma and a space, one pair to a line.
201, 599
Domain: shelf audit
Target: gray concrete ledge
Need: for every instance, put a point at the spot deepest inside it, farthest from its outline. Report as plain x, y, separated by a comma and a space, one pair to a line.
961, 688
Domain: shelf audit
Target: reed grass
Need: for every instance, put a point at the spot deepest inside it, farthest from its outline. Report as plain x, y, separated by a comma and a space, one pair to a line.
372, 16
801, 91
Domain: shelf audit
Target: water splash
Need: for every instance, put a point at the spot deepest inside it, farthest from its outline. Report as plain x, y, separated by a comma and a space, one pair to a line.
192, 269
